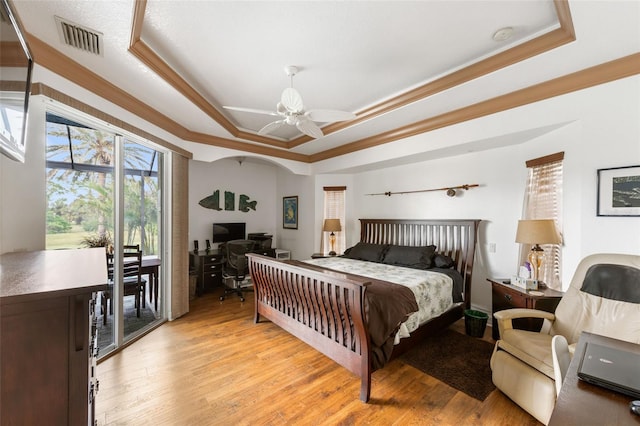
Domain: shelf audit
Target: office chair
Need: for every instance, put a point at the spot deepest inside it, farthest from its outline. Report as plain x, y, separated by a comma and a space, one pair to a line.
235, 266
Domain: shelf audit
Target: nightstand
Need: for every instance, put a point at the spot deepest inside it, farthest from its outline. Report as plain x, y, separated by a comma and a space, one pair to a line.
282, 254
507, 296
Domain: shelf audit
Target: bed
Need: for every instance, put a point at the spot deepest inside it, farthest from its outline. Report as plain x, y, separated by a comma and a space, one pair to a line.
330, 309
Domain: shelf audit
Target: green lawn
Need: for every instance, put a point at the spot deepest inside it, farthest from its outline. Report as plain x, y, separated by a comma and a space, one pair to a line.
68, 240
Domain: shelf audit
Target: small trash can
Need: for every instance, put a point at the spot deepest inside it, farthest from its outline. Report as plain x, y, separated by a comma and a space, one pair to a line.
475, 322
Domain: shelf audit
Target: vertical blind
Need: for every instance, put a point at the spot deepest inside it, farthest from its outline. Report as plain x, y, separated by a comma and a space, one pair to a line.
334, 208
543, 200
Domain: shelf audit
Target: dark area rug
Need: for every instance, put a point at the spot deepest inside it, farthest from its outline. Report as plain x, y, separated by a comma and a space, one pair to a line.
456, 359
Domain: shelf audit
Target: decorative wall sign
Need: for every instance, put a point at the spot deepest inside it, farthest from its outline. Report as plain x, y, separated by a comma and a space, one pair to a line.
619, 191
244, 204
290, 212
213, 202
229, 200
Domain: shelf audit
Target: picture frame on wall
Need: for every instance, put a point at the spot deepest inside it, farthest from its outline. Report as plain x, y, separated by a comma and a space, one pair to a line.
619, 191
290, 212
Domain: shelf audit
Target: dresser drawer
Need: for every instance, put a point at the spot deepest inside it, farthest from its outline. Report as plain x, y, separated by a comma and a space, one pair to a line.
212, 279
207, 260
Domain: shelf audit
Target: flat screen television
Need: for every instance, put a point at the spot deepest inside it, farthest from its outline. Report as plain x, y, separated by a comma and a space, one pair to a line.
15, 85
223, 232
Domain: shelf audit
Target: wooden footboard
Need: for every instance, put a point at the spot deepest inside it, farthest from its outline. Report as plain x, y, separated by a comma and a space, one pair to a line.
324, 310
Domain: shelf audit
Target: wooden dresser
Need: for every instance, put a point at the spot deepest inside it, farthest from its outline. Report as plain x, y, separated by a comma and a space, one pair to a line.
48, 344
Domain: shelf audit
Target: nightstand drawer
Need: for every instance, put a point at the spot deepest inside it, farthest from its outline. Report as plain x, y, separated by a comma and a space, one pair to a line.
505, 298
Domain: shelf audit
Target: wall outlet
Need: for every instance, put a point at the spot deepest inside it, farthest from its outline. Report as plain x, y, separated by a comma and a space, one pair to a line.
492, 247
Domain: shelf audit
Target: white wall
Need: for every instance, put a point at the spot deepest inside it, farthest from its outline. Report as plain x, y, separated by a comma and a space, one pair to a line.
257, 181
299, 241
22, 190
601, 130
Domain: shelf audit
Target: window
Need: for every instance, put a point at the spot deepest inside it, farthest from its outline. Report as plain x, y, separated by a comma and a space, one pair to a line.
80, 188
104, 188
334, 208
543, 200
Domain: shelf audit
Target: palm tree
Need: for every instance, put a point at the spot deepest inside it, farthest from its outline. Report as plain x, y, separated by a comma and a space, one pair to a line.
84, 157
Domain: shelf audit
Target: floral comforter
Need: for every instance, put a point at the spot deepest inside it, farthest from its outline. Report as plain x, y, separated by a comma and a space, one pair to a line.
432, 289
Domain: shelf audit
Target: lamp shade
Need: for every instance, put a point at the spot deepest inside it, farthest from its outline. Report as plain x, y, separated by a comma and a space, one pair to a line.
537, 231
332, 225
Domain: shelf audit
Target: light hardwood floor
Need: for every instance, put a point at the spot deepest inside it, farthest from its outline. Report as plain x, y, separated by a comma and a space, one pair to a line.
214, 366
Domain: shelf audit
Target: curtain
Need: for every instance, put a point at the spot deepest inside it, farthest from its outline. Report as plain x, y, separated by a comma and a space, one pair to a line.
334, 208
543, 200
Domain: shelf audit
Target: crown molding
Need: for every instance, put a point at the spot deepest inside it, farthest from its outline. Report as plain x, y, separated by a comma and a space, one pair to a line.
563, 35
596, 75
52, 59
48, 57
51, 93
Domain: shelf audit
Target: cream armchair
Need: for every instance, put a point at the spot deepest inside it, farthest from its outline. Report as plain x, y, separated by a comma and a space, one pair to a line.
603, 298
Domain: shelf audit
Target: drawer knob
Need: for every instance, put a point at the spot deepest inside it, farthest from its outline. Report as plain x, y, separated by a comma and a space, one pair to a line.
507, 296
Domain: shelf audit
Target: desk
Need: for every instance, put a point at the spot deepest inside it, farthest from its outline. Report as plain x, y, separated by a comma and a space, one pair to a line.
150, 266
581, 403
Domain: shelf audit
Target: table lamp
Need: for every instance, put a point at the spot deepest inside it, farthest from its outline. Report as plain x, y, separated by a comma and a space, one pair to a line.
332, 225
536, 232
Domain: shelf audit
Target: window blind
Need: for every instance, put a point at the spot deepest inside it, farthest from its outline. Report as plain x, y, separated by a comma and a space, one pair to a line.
543, 200
334, 208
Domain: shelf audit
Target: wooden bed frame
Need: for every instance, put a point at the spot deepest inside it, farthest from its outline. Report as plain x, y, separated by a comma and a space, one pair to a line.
326, 309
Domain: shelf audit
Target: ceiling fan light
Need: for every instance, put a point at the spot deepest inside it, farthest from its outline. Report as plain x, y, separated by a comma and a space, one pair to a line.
292, 100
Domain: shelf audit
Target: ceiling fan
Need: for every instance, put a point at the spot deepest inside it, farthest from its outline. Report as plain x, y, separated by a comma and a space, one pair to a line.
291, 111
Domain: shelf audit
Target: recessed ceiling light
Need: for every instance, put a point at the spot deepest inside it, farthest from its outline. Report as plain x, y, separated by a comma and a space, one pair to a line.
503, 34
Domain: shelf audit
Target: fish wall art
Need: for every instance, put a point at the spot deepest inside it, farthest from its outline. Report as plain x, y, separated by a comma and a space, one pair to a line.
213, 202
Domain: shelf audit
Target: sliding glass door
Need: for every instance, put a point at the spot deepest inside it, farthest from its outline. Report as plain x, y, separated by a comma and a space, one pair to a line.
105, 190
140, 228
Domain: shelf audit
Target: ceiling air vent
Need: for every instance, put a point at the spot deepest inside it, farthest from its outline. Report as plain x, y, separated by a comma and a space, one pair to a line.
79, 37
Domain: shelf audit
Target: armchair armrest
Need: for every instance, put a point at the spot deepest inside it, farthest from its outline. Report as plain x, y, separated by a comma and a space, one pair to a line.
504, 317
509, 314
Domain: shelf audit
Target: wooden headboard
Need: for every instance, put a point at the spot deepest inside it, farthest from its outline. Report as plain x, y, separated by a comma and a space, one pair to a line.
455, 238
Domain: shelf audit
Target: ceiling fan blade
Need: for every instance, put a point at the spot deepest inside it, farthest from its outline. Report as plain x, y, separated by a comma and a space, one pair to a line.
308, 127
329, 115
292, 100
271, 127
252, 110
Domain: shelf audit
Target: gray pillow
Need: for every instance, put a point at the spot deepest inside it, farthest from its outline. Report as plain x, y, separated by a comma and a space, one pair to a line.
366, 251
443, 261
411, 257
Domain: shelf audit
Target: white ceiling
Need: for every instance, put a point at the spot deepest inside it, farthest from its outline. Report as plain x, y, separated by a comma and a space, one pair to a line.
353, 54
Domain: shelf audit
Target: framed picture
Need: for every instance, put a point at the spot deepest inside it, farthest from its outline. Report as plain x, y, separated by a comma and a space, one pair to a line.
290, 212
619, 191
